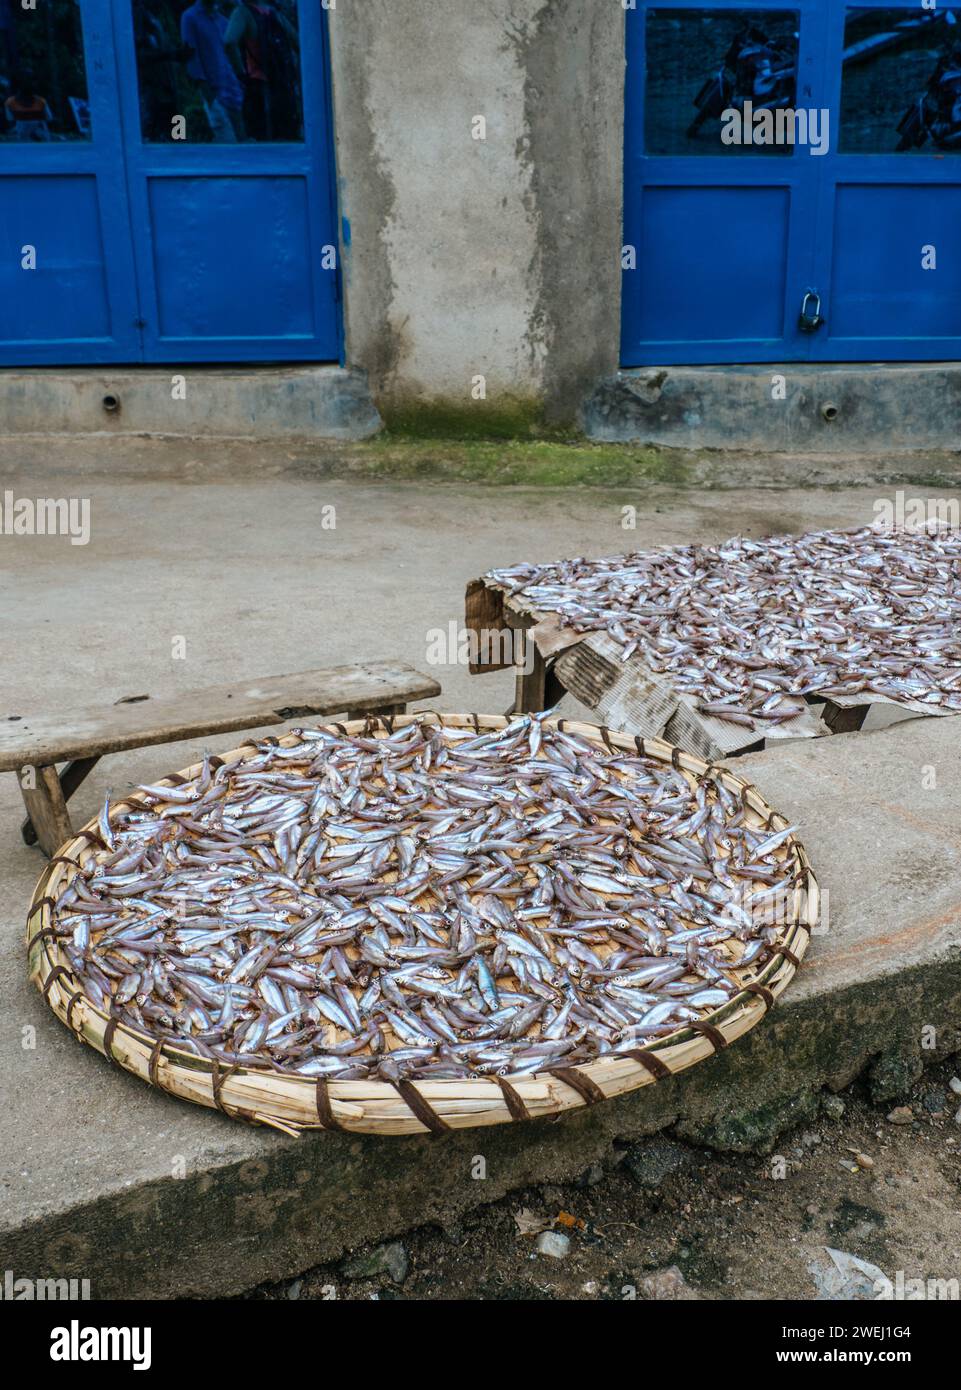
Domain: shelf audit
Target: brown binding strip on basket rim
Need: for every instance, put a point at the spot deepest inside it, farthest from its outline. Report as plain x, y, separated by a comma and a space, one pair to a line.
259, 1094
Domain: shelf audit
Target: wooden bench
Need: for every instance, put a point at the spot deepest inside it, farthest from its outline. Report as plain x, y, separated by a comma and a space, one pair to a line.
32, 746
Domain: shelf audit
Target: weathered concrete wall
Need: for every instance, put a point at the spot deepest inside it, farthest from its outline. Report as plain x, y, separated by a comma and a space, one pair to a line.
269, 402
794, 407
466, 257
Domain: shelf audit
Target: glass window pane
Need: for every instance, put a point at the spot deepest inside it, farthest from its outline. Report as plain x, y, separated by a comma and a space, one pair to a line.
901, 89
212, 71
43, 83
706, 69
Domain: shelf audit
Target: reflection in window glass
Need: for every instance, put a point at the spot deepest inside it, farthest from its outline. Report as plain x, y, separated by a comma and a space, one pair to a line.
901, 90
43, 85
213, 72
704, 63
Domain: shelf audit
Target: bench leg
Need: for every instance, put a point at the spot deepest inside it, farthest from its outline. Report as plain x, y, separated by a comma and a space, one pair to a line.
377, 709
529, 689
71, 777
46, 808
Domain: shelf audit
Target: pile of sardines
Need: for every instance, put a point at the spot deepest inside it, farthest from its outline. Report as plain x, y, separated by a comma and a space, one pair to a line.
755, 628
440, 902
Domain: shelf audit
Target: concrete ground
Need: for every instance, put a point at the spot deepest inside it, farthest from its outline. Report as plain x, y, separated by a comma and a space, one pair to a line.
229, 550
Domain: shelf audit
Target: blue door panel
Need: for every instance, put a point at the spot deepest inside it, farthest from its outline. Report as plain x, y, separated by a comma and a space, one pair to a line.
722, 257
879, 286
154, 251
230, 240
65, 295
736, 277
232, 258
66, 198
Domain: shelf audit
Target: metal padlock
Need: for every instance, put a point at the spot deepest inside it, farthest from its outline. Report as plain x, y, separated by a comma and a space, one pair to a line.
810, 321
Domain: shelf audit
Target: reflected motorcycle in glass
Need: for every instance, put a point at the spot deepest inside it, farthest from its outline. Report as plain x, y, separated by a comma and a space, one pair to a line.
756, 69
936, 114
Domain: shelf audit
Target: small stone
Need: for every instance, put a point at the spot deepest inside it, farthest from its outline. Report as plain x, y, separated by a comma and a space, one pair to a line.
662, 1284
553, 1243
848, 1166
811, 1209
591, 1176
864, 1160
833, 1107
901, 1115
294, 1289
388, 1259
957, 1117
590, 1288
653, 1163
955, 1085
810, 1138
934, 1100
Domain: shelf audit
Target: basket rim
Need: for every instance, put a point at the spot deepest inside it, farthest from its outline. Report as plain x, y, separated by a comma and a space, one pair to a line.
582, 1083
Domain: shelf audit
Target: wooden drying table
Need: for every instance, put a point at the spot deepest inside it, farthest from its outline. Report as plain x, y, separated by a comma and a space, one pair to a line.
627, 695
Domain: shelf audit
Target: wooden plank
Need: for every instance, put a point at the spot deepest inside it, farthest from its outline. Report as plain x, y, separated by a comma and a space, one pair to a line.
484, 615
41, 740
553, 637
46, 808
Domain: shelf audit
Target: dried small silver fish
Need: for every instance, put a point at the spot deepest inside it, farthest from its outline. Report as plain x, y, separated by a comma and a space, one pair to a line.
438, 902
755, 628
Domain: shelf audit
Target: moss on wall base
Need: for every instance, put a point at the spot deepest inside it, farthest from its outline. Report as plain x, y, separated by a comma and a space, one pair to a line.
550, 462
507, 417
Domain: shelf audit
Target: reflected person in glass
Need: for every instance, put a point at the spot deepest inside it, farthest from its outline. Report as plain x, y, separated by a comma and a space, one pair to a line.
202, 26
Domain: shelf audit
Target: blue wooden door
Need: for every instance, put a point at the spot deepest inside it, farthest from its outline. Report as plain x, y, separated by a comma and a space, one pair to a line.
889, 220
840, 247
67, 286
193, 218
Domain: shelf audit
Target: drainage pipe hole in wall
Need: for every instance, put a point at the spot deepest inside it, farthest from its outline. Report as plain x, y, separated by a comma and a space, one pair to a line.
111, 404
830, 413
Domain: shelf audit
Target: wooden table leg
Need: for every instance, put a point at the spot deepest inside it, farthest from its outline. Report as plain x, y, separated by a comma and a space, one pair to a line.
46, 807
70, 778
554, 692
529, 689
844, 719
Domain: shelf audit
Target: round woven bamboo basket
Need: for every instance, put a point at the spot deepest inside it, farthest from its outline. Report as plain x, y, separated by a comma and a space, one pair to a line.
262, 1095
